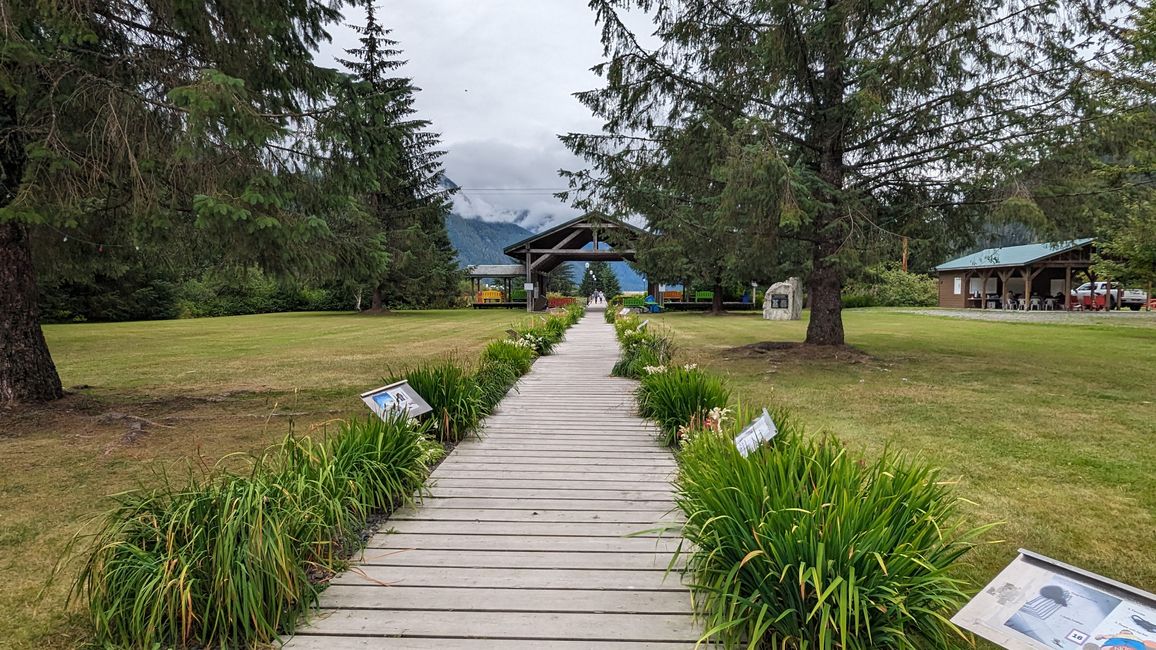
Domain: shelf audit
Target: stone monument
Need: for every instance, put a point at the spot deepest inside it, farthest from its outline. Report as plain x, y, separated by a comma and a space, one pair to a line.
784, 301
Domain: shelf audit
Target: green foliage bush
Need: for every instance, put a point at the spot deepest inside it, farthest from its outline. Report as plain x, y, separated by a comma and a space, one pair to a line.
641, 349
679, 396
232, 560
495, 379
518, 357
802, 546
889, 286
455, 396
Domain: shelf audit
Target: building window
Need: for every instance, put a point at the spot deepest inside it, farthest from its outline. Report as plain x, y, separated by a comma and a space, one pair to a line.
958, 285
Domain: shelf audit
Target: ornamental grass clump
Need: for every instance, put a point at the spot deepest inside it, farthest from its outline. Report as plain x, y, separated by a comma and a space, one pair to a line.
233, 560
648, 350
675, 397
495, 379
800, 546
510, 353
453, 394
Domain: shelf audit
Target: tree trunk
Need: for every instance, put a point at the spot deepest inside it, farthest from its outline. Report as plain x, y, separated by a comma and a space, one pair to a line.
27, 373
716, 306
826, 288
826, 282
375, 303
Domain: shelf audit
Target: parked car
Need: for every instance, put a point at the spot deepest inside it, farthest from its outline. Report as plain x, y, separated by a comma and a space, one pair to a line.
1131, 298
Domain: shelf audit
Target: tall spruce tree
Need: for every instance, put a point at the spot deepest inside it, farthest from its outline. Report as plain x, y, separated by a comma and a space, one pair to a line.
190, 128
599, 276
410, 201
868, 107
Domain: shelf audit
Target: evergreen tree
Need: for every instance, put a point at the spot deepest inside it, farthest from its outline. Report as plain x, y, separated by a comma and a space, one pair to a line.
410, 201
847, 113
179, 126
561, 280
599, 276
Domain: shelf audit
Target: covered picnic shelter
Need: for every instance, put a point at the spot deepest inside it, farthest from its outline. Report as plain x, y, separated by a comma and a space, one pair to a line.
1015, 277
588, 237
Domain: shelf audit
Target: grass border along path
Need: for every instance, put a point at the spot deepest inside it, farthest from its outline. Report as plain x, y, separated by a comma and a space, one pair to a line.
799, 544
237, 558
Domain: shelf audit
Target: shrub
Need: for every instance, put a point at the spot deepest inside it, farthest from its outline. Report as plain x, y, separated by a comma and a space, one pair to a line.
890, 286
800, 546
494, 379
858, 300
454, 395
230, 560
641, 352
518, 357
676, 397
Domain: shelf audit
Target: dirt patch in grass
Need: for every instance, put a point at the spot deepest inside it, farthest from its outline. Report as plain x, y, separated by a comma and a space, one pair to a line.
784, 351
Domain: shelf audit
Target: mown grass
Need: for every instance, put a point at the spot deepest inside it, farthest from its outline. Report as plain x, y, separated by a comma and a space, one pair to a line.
202, 389
1047, 428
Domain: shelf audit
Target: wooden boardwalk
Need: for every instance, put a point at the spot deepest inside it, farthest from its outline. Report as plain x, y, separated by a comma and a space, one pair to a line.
522, 542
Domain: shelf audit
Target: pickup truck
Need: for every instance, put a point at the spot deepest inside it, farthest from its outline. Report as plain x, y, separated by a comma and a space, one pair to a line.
1131, 298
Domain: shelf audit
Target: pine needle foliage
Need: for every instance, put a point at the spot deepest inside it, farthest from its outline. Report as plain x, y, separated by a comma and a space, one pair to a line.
800, 546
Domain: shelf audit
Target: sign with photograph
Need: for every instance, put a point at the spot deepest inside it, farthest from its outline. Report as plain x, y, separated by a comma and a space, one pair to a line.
762, 430
625, 311
1037, 602
398, 397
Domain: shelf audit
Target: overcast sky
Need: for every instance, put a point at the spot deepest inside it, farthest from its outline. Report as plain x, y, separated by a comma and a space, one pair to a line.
497, 79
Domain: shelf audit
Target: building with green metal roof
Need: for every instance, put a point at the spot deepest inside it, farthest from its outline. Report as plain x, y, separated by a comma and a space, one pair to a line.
1020, 277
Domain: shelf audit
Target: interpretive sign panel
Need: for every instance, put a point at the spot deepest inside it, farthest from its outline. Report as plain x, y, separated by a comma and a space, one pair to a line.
528, 286
761, 430
1037, 603
625, 311
398, 397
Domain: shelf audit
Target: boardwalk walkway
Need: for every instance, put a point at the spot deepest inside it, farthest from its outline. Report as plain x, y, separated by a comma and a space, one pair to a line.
521, 544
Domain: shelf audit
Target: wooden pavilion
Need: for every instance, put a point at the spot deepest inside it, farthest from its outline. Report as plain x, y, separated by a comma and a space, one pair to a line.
588, 238
1011, 276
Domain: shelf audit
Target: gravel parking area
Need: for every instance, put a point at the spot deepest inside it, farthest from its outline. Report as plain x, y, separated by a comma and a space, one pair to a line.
1126, 317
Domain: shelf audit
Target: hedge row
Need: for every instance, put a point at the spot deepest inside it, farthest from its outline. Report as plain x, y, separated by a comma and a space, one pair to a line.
799, 545
234, 559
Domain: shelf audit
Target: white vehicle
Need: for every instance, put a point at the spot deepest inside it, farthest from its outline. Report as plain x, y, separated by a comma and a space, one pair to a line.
1132, 298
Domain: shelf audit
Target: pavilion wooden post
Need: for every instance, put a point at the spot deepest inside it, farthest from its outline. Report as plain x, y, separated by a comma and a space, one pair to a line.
965, 288
529, 280
1029, 277
1004, 278
983, 278
1068, 287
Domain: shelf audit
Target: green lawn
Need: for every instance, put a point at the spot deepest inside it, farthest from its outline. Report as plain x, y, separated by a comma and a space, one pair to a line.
1048, 428
209, 387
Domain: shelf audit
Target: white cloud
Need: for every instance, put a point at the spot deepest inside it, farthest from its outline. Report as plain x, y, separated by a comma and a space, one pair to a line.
497, 80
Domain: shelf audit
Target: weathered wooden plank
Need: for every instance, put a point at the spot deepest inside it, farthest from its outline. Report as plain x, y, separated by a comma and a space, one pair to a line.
597, 529
537, 504
597, 463
525, 543
439, 491
519, 483
535, 625
645, 517
509, 600
518, 560
482, 472
309, 642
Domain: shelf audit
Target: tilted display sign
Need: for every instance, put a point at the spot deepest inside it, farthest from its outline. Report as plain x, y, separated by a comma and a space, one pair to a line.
398, 397
762, 430
1037, 602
